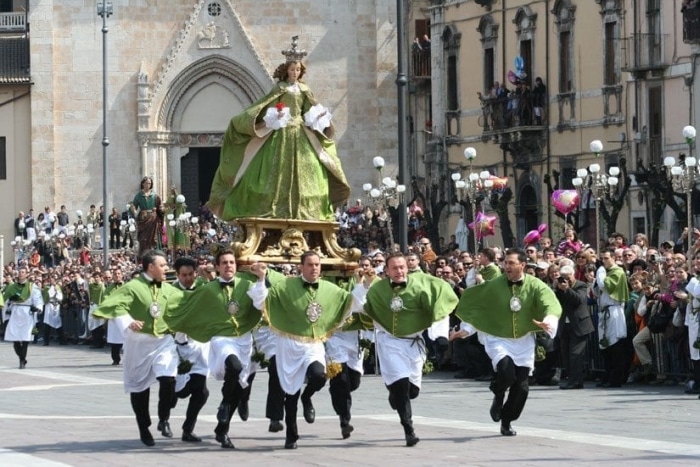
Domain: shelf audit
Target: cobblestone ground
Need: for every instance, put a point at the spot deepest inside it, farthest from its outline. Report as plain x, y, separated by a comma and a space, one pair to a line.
68, 408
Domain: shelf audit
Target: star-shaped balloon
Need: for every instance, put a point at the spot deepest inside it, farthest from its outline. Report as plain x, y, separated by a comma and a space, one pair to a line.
483, 225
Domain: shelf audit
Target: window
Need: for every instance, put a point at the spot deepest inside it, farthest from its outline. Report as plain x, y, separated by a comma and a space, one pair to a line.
6, 6
3, 158
611, 75
214, 9
452, 100
489, 40
655, 121
488, 69
565, 62
568, 173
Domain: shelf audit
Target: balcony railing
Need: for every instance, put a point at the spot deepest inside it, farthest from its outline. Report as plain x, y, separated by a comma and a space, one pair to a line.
511, 112
420, 61
691, 22
644, 52
13, 22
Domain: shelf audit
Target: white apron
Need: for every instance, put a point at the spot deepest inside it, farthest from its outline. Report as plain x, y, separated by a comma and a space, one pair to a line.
52, 315
21, 323
221, 347
146, 358
344, 347
293, 358
197, 353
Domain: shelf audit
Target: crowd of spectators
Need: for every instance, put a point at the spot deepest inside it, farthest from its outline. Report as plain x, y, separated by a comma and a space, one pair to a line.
656, 353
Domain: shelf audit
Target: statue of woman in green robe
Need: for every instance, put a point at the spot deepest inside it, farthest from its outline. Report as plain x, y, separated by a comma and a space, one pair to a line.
278, 159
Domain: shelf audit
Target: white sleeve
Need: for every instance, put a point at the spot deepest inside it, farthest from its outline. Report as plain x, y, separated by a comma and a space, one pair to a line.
37, 299
600, 276
440, 328
554, 322
467, 327
359, 296
123, 322
642, 307
258, 293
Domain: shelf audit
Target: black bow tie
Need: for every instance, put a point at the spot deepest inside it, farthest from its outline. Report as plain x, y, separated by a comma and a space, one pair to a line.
157, 284
511, 283
398, 284
226, 284
312, 285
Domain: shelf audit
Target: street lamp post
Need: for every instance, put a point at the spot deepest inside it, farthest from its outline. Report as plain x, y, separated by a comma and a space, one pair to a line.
401, 85
599, 183
683, 177
104, 10
387, 193
473, 186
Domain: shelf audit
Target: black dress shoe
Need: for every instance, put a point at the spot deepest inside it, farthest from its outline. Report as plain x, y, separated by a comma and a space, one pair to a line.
309, 412
146, 437
243, 410
164, 428
602, 384
225, 441
275, 426
190, 437
496, 407
571, 386
507, 430
22, 364
222, 415
411, 439
291, 443
345, 430
115, 363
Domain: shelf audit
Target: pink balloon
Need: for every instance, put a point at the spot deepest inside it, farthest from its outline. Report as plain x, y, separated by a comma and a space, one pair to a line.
565, 201
483, 225
534, 236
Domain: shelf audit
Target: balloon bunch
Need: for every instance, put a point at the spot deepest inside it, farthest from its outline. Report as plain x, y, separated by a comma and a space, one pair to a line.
519, 74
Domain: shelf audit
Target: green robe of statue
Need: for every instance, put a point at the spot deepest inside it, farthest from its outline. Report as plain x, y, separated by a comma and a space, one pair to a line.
289, 310
135, 298
289, 173
487, 306
425, 299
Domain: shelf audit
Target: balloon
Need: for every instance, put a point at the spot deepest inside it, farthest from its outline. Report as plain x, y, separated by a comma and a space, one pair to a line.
483, 225
499, 183
511, 77
534, 236
519, 63
565, 201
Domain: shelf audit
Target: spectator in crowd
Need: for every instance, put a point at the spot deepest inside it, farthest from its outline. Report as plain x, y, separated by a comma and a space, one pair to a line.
539, 100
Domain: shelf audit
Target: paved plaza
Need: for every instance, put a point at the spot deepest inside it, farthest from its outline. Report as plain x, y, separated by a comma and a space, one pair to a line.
68, 408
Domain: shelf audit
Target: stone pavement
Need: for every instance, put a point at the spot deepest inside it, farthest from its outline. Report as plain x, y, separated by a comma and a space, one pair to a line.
68, 408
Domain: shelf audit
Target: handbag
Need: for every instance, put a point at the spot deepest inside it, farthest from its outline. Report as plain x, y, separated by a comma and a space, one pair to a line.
661, 316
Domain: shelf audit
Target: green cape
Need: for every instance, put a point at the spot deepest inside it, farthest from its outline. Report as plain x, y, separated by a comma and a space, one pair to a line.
426, 299
487, 306
490, 272
204, 312
616, 284
287, 302
15, 288
135, 297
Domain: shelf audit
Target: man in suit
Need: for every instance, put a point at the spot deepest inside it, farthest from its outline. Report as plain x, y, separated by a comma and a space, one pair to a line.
576, 325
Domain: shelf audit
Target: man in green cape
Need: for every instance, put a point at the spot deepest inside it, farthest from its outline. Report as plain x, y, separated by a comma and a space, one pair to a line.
115, 338
402, 306
24, 301
193, 370
138, 309
233, 309
303, 312
505, 311
613, 293
488, 269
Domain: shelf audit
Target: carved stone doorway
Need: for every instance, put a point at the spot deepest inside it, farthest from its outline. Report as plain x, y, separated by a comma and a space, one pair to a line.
197, 169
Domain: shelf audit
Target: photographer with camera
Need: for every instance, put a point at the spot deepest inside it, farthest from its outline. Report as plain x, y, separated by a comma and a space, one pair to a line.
575, 324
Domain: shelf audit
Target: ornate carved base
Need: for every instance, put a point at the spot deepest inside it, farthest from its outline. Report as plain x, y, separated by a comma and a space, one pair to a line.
284, 240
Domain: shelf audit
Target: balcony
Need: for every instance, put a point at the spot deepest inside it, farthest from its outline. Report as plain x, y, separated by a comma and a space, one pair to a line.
691, 22
643, 53
513, 123
13, 22
420, 64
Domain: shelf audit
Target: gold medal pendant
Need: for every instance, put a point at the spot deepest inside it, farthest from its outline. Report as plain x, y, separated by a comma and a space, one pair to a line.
154, 310
313, 311
232, 308
515, 304
396, 304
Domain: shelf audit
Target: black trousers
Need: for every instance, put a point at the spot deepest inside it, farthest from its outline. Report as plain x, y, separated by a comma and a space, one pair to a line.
573, 354
47, 334
231, 391
114, 238
341, 388
315, 380
196, 389
615, 361
116, 352
166, 400
274, 408
512, 379
400, 394
21, 348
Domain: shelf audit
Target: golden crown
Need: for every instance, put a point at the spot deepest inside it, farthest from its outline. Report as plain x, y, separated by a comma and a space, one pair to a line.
294, 54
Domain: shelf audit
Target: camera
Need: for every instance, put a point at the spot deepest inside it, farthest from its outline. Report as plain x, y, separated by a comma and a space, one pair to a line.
561, 279
652, 258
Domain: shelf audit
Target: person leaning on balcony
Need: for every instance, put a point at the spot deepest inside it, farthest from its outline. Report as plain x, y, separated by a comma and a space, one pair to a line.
539, 97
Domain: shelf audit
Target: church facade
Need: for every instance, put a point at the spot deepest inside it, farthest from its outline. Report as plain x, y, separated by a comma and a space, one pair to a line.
177, 71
